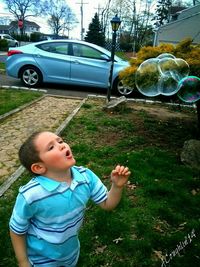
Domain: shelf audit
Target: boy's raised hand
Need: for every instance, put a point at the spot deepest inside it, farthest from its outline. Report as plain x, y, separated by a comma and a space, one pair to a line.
120, 175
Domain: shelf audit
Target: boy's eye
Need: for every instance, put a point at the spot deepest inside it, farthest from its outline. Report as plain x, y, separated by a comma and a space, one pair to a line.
60, 141
50, 148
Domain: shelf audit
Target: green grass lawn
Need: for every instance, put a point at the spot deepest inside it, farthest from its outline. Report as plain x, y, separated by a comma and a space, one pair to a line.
2, 65
11, 99
159, 211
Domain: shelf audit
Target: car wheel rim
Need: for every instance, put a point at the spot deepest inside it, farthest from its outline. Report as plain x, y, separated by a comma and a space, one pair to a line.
30, 77
124, 90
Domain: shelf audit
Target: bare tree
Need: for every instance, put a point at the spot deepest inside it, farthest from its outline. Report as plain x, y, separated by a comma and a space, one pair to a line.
60, 15
105, 17
136, 20
21, 9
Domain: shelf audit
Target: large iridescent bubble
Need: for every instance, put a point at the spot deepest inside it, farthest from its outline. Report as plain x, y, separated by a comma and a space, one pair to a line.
189, 89
164, 55
183, 68
168, 84
166, 65
147, 77
161, 75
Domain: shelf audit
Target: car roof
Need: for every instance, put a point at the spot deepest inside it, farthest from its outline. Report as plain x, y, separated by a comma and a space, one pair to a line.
72, 41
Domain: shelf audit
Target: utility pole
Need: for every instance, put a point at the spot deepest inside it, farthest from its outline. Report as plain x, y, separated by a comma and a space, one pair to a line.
99, 9
100, 19
81, 8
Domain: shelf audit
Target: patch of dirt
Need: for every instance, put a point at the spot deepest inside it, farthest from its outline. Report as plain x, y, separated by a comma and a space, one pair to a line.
163, 112
152, 125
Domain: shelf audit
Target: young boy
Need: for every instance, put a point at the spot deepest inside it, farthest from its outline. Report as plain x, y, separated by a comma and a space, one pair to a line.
49, 209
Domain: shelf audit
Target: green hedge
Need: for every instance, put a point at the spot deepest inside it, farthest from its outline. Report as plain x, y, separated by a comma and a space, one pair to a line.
3, 45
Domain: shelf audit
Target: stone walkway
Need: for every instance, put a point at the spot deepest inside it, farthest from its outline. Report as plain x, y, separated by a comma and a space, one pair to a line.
46, 114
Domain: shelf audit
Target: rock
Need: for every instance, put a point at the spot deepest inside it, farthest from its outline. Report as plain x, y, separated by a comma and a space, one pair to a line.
190, 154
115, 103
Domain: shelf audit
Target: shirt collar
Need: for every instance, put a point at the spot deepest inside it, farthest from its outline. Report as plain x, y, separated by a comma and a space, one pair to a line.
51, 185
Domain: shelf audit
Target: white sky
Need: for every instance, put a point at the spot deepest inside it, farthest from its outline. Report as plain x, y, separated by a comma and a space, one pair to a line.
89, 9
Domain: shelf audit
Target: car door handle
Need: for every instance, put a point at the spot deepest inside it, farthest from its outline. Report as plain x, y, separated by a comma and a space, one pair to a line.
38, 55
76, 61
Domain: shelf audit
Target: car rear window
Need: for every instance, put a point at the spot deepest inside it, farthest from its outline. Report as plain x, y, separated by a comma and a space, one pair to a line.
58, 48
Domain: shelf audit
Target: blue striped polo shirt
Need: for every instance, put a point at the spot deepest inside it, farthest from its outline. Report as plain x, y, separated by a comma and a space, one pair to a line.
50, 213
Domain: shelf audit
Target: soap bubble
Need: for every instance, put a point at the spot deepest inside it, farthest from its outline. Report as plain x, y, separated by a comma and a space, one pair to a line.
189, 89
183, 68
161, 75
168, 85
167, 65
164, 55
147, 77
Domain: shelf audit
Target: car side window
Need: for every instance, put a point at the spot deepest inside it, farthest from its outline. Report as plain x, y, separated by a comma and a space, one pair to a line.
58, 48
80, 50
7, 37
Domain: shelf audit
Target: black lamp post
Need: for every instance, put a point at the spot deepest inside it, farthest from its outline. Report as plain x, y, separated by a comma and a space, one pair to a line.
115, 23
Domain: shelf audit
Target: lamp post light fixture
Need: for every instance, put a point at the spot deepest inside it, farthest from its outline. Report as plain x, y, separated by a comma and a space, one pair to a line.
115, 23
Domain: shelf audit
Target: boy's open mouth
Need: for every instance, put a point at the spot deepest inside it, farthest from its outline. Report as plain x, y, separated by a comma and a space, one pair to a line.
67, 153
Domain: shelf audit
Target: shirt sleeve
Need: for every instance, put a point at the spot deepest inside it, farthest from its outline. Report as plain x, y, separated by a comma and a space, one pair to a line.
99, 191
19, 221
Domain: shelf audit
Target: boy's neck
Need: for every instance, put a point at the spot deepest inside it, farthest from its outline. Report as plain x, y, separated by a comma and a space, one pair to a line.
65, 176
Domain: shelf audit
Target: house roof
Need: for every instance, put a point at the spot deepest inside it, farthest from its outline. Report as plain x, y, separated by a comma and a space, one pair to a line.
189, 11
186, 25
26, 22
175, 9
183, 15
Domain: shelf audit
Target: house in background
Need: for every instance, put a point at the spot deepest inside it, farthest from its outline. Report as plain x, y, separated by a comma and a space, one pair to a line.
4, 29
184, 24
29, 27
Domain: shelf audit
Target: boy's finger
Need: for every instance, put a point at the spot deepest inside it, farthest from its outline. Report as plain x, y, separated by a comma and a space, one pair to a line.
117, 168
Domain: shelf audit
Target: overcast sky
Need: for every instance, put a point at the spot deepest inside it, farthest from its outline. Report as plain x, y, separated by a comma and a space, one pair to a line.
89, 9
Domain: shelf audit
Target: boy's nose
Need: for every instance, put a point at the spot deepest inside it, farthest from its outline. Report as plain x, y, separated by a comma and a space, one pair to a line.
62, 146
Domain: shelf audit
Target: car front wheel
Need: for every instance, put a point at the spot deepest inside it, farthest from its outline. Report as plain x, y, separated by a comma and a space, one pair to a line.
121, 89
31, 76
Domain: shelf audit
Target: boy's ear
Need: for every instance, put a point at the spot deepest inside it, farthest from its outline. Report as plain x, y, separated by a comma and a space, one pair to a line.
38, 168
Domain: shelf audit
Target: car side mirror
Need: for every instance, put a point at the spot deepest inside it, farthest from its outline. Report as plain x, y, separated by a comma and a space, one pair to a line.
105, 57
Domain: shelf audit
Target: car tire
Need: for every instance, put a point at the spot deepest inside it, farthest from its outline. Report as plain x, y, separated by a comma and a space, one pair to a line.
121, 89
31, 76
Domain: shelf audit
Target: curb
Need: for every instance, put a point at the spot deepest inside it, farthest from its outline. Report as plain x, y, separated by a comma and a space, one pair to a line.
23, 88
146, 101
4, 116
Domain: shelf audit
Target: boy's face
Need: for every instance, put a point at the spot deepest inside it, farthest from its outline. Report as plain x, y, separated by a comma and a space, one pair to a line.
53, 152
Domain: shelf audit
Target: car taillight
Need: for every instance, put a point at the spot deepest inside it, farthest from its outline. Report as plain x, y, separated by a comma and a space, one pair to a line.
14, 52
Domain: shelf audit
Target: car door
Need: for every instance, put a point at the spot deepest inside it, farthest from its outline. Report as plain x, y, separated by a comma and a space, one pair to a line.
88, 67
54, 62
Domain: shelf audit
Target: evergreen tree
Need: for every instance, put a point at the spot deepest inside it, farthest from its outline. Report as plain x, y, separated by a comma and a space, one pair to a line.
95, 33
162, 12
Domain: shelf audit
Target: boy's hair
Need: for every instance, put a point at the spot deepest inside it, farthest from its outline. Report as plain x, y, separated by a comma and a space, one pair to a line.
28, 153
